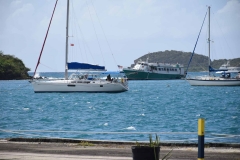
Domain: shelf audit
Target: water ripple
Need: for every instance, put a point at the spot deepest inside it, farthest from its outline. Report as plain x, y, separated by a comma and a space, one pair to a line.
149, 106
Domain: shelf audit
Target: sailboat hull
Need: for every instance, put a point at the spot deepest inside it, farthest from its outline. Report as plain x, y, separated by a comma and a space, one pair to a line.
41, 86
214, 82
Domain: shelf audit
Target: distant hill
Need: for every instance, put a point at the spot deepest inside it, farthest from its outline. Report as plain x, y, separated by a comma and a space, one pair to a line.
12, 68
198, 63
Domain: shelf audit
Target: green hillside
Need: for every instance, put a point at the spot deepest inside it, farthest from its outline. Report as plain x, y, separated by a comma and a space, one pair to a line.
12, 68
198, 63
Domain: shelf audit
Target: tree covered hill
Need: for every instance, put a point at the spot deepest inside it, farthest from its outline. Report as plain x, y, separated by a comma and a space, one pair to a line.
12, 68
198, 63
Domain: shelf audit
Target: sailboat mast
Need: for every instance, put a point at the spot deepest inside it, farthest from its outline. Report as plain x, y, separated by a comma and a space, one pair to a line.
209, 38
66, 56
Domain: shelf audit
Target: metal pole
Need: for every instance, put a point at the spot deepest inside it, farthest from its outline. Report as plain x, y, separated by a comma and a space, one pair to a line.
201, 131
66, 56
209, 38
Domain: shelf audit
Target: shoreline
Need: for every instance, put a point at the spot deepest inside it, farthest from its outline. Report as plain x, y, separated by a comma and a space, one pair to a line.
105, 142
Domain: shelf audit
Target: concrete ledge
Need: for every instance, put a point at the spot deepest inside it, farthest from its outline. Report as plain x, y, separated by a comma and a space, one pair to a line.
59, 140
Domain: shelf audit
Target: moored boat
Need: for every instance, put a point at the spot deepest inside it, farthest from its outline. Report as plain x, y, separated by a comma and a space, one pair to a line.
229, 68
80, 82
211, 80
143, 70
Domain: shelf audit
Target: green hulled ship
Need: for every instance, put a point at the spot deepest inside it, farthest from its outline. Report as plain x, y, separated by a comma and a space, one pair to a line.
154, 71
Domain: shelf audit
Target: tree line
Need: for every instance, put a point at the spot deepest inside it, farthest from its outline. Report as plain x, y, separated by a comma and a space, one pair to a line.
198, 63
12, 67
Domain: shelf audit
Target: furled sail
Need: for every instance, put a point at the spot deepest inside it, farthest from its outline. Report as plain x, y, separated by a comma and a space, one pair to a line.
216, 70
85, 66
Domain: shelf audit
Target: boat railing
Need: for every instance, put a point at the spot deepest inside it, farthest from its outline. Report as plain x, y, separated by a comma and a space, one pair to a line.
166, 64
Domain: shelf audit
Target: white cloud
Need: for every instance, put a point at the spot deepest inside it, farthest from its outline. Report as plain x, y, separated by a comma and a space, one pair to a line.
17, 21
133, 28
232, 6
25, 9
15, 3
228, 17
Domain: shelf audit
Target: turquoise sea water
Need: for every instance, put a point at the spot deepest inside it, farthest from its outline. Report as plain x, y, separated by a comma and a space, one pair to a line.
149, 106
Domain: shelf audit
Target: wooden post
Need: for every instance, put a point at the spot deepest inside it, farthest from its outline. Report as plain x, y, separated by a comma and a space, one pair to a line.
201, 131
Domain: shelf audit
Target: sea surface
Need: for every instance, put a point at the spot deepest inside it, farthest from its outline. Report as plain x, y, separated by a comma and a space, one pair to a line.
170, 108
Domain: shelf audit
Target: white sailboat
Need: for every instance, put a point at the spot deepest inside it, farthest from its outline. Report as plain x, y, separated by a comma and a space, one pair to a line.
78, 83
209, 80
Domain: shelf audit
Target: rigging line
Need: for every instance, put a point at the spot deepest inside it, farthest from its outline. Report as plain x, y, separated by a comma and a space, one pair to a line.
50, 67
74, 21
204, 68
104, 34
215, 52
223, 35
85, 43
196, 43
70, 50
77, 48
96, 34
45, 39
74, 34
205, 44
86, 46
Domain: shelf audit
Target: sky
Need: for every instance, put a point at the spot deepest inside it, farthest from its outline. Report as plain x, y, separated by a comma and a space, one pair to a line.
111, 33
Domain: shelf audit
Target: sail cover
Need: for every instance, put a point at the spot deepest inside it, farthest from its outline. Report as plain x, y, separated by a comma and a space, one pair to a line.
216, 70
84, 66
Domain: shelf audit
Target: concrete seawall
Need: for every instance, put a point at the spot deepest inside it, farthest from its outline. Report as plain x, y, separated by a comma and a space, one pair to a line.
169, 144
48, 149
